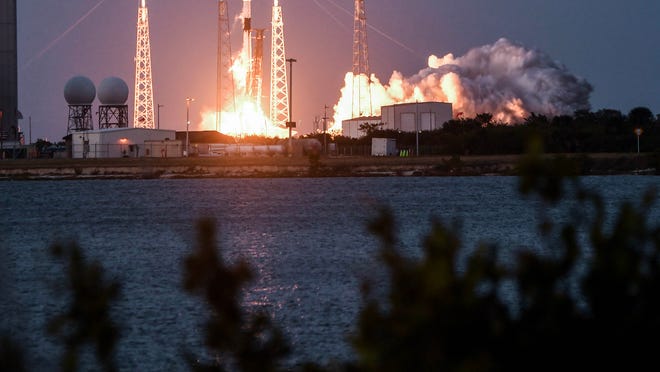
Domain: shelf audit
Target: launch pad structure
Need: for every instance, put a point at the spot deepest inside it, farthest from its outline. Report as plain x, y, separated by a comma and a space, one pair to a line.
252, 55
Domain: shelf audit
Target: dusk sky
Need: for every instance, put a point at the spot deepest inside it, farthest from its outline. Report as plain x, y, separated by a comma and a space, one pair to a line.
613, 44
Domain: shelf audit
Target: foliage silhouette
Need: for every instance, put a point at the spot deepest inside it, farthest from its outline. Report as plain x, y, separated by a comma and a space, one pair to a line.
238, 340
87, 319
593, 306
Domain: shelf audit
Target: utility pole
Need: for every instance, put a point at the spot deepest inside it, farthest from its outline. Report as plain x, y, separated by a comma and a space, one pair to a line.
417, 128
291, 124
325, 128
188, 100
158, 115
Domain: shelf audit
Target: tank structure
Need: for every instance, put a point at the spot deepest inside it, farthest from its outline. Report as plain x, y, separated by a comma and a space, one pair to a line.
113, 111
79, 93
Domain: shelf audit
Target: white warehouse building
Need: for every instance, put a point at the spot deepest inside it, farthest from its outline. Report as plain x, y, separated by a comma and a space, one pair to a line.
125, 142
405, 117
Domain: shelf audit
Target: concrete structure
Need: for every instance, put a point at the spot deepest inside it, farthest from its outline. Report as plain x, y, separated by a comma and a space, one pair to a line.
351, 127
125, 142
9, 130
403, 117
421, 116
383, 147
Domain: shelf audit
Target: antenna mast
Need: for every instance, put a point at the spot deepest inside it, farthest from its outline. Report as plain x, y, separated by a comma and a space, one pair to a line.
361, 101
143, 111
279, 99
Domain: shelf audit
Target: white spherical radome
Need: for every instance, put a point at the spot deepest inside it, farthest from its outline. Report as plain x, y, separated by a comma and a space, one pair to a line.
79, 90
113, 91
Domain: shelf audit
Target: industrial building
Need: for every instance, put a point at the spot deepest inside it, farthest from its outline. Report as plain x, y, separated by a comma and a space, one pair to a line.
351, 127
10, 135
405, 117
125, 142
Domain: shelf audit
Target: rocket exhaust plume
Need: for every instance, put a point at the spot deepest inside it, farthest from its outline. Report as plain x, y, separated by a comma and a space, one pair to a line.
244, 116
504, 79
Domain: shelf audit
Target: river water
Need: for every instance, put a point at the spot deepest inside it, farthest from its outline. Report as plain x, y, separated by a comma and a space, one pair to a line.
305, 239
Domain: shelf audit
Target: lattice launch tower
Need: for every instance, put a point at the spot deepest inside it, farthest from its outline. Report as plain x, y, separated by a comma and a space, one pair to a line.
143, 116
279, 99
361, 87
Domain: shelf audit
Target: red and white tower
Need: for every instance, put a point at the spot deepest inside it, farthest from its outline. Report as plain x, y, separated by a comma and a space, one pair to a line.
143, 116
361, 89
279, 98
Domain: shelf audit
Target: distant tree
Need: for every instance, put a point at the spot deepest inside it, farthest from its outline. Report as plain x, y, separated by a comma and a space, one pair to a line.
370, 128
484, 118
640, 116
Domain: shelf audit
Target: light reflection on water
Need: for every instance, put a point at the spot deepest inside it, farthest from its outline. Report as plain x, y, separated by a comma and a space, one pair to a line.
305, 239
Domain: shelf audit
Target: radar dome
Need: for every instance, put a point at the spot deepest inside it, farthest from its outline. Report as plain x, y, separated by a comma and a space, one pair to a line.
79, 90
113, 91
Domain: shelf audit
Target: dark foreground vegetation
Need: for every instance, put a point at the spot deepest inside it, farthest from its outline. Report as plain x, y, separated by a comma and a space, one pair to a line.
434, 316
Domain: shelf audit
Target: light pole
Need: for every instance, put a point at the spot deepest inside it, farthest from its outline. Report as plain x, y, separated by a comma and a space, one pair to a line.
158, 116
638, 132
291, 124
188, 100
417, 128
325, 129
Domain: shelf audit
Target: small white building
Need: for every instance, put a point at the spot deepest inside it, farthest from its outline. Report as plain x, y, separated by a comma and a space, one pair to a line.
404, 117
351, 127
383, 147
124, 142
409, 117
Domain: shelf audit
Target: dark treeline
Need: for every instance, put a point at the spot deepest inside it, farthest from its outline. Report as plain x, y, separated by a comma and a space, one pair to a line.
583, 132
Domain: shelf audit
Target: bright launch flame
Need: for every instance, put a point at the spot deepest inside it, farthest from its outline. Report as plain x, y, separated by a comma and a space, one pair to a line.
241, 114
504, 79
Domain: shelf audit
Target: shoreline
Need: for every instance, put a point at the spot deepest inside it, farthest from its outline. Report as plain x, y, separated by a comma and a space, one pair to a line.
279, 166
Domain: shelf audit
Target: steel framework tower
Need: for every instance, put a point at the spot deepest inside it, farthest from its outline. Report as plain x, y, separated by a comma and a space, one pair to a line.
361, 89
225, 84
143, 116
256, 86
279, 99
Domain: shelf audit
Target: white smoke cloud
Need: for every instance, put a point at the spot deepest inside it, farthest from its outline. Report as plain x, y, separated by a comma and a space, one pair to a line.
504, 79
